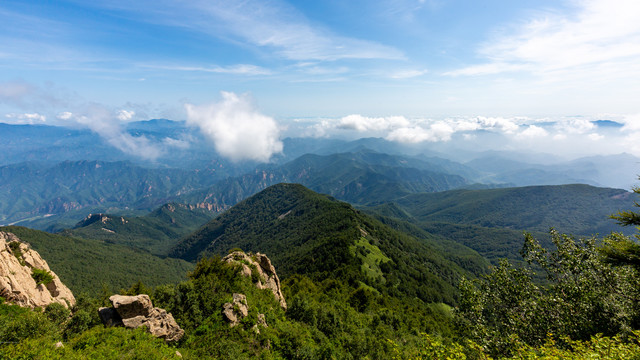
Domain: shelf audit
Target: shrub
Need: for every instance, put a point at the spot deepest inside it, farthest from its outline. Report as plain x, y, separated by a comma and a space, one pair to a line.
41, 276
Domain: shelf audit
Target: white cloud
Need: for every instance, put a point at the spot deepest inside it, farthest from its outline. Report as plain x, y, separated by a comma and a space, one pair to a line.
64, 115
595, 136
125, 115
503, 124
407, 74
238, 69
362, 123
29, 118
601, 39
268, 24
105, 123
237, 129
439, 131
176, 143
533, 131
575, 126
631, 123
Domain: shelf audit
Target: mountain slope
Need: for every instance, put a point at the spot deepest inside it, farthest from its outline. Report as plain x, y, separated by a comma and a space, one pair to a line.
155, 232
35, 189
307, 233
359, 178
492, 222
575, 209
88, 265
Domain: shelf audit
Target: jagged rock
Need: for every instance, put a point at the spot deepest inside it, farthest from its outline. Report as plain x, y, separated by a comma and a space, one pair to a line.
236, 310
267, 279
17, 285
136, 311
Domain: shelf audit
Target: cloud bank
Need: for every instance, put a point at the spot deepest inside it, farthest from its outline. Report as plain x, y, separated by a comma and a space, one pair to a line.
236, 128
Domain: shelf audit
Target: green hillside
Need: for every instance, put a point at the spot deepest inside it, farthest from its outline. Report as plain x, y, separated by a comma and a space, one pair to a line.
575, 209
88, 265
315, 235
155, 232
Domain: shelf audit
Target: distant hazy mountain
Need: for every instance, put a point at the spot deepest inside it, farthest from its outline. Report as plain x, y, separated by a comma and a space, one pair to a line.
359, 177
30, 190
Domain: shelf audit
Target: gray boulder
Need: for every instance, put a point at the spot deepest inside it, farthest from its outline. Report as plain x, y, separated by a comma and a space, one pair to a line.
136, 311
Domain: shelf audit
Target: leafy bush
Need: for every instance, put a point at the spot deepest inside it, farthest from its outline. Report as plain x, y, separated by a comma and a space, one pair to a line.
41, 276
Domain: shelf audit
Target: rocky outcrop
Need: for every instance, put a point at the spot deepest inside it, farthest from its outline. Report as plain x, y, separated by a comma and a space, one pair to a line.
267, 277
26, 279
236, 310
136, 311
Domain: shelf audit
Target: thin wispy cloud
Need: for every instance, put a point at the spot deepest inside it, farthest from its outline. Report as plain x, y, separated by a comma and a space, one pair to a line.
601, 35
238, 69
273, 25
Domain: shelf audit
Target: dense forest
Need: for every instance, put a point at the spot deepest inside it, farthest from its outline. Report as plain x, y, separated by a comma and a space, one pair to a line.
386, 288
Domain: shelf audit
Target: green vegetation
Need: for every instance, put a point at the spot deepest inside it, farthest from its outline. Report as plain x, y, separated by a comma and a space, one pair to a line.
90, 265
41, 276
156, 232
356, 287
312, 234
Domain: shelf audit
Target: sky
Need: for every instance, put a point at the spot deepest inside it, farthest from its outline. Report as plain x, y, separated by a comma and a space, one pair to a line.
540, 73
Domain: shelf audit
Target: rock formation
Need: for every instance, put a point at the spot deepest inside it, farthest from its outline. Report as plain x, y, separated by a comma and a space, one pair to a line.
236, 310
26, 279
136, 311
267, 277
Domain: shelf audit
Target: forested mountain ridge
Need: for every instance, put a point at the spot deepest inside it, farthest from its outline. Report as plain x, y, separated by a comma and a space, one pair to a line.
90, 266
359, 177
492, 221
155, 232
318, 236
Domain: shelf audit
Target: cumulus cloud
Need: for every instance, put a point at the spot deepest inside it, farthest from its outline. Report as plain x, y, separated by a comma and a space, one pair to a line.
29, 118
236, 128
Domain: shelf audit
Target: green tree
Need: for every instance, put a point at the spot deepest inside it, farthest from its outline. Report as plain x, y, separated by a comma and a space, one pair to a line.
584, 295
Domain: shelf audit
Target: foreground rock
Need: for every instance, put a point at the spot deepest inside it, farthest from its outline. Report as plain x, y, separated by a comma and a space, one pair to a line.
136, 311
267, 277
26, 279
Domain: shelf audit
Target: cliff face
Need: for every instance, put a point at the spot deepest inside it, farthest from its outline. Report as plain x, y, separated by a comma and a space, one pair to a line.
25, 278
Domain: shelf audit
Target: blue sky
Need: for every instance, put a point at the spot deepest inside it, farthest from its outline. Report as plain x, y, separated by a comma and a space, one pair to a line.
429, 62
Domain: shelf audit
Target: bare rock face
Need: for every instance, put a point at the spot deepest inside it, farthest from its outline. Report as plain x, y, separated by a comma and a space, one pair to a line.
136, 311
20, 266
267, 279
237, 310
